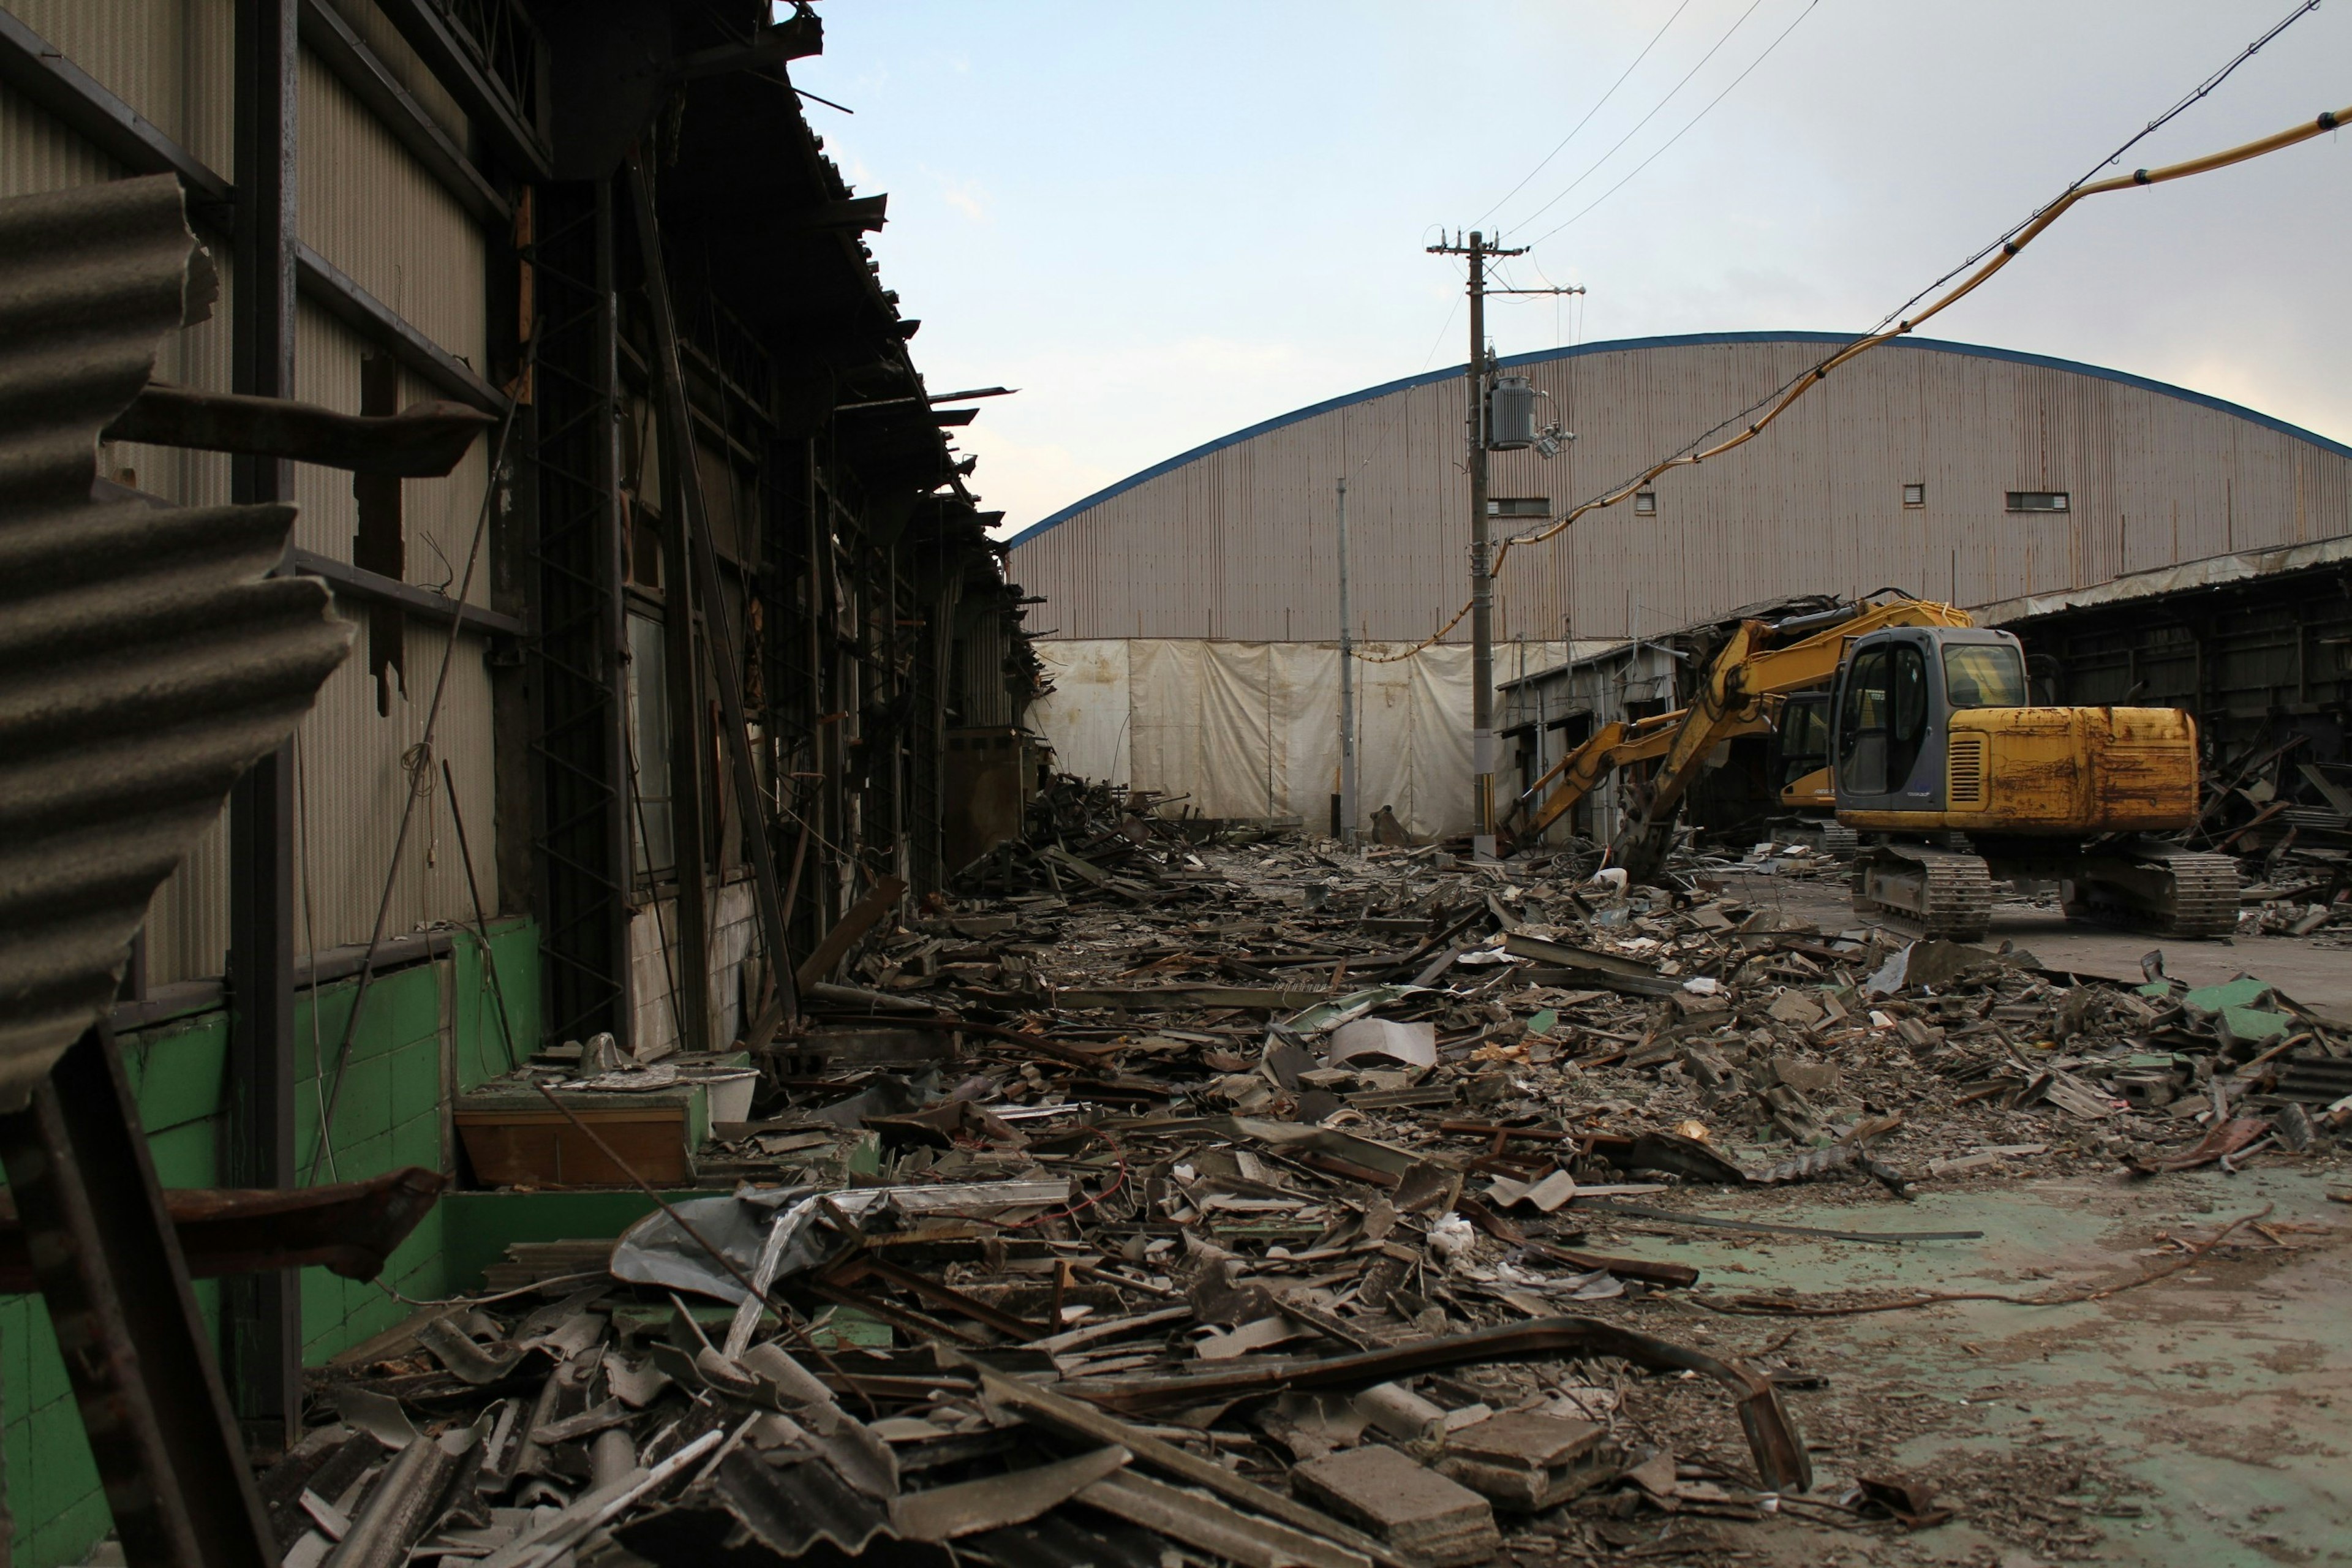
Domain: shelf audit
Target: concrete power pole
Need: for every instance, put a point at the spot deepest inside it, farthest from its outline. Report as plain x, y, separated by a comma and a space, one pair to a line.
1347, 691
1481, 578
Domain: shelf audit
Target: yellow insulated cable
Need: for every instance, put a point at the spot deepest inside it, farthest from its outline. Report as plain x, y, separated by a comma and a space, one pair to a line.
2032, 230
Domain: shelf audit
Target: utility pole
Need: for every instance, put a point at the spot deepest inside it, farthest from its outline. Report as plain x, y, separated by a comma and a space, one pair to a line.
1482, 579
1347, 691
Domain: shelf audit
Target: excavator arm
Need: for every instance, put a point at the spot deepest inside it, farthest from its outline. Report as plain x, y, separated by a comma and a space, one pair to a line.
1744, 672
1576, 775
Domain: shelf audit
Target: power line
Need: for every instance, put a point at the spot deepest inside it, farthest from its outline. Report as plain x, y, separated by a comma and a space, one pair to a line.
2012, 240
1589, 113
1594, 166
1694, 119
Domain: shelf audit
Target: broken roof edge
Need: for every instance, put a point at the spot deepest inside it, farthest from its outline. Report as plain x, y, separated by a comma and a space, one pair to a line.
1684, 340
2208, 572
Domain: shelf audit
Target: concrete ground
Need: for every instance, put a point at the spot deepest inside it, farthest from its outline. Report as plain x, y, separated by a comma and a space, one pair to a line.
2315, 971
2205, 1418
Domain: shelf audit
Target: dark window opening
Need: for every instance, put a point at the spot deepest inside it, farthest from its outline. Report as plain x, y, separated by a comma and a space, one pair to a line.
2037, 500
1861, 725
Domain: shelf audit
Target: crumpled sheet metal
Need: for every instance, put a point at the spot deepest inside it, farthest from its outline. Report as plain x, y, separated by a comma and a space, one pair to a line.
1779, 1453
657, 1251
147, 658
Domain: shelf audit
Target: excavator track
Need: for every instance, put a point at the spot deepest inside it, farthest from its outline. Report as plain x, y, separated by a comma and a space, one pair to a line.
1941, 893
2176, 892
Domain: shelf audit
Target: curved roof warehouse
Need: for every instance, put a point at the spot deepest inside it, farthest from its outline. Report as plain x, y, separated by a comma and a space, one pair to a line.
1946, 469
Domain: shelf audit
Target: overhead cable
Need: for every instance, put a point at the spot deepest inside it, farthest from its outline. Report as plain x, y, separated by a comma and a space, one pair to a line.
1678, 136
1589, 113
1593, 168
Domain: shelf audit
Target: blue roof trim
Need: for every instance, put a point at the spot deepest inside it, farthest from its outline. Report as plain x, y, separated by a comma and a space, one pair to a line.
1688, 339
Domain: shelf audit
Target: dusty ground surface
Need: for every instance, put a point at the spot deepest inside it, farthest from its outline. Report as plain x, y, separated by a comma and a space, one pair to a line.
2317, 971
2205, 1418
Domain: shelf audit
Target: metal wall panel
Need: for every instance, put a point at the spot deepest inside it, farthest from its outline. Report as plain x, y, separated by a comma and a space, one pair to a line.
406, 68
370, 209
38, 154
355, 776
169, 59
1236, 540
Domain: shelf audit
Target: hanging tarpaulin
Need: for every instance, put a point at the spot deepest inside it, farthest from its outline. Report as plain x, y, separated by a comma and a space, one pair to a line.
1251, 730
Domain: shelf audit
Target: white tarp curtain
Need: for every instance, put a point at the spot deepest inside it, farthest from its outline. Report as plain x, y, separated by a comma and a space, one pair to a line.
1250, 729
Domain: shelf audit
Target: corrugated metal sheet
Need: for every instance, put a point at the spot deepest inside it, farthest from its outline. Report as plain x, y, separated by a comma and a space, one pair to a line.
169, 59
38, 154
357, 770
1236, 541
370, 208
370, 24
145, 658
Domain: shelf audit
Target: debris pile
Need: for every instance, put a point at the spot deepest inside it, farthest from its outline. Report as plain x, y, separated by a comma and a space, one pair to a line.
1292, 1205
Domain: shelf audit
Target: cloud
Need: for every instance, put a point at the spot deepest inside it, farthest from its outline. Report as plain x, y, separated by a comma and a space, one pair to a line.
966, 197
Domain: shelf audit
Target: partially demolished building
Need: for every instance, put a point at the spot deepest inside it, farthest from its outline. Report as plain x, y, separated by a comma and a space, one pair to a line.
674, 666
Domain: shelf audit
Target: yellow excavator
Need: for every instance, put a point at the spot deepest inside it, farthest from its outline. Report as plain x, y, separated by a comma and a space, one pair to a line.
1935, 756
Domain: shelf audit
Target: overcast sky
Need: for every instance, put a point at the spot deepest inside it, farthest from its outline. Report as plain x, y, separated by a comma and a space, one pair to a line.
1163, 223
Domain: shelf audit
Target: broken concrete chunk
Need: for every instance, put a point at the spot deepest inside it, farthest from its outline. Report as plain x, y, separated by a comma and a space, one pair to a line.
1418, 1512
1796, 1008
1807, 1077
1528, 1462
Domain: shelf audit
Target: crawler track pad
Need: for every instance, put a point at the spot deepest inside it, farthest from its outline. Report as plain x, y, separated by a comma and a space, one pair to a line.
1943, 892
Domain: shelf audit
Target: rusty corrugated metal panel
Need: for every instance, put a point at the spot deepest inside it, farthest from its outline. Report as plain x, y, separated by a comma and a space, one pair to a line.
1233, 540
146, 658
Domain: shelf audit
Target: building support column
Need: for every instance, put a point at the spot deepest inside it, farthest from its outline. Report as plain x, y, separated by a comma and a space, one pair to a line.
261, 1327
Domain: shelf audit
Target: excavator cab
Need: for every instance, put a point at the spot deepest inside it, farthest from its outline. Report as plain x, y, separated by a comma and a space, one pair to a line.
1800, 751
1897, 692
1938, 753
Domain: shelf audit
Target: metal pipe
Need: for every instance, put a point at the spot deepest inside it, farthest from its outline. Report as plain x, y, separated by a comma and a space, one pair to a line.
1347, 809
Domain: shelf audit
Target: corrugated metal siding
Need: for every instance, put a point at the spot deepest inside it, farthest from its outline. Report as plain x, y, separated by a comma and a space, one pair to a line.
408, 70
356, 783
367, 207
1238, 543
38, 154
169, 59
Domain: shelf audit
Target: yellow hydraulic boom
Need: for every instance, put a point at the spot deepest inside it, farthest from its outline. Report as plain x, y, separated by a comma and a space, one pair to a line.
1761, 659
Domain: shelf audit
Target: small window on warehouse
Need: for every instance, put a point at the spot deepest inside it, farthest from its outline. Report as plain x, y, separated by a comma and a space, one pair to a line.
1915, 495
1646, 503
2037, 500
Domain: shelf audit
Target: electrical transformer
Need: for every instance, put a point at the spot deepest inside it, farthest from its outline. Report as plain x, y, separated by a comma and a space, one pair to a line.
1510, 413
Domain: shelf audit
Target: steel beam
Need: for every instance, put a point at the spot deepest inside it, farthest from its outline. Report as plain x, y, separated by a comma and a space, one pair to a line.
491, 104
327, 286
356, 583
261, 1329
680, 461
424, 440
134, 1342
579, 751
367, 78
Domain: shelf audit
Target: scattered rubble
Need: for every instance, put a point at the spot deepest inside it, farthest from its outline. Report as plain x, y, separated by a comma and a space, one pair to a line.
1276, 1202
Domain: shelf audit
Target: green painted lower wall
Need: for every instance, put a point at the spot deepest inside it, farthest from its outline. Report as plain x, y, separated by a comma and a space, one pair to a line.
427, 1033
